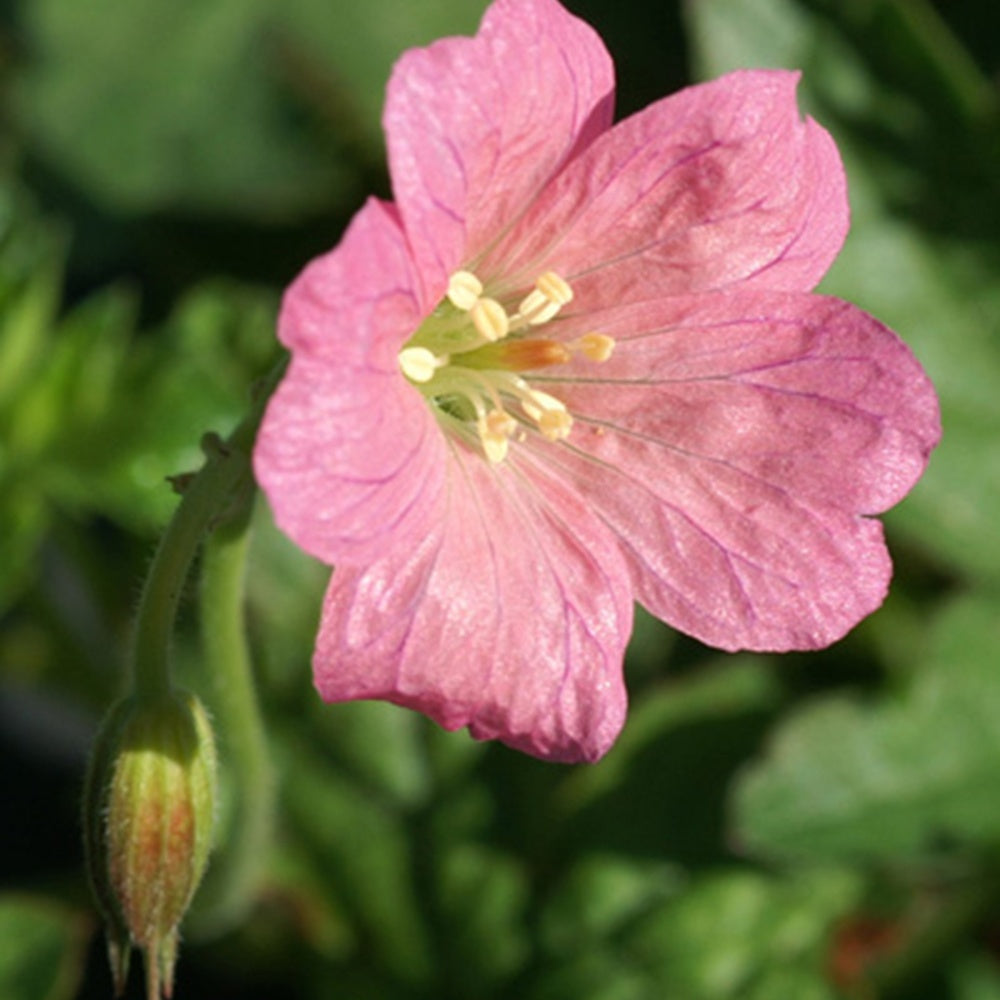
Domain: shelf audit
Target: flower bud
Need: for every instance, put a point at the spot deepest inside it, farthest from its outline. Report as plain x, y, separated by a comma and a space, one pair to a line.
149, 810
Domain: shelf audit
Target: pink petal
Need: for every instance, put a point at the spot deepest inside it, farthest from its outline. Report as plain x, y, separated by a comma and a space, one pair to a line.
731, 442
357, 304
718, 185
476, 126
806, 392
509, 616
349, 454
732, 561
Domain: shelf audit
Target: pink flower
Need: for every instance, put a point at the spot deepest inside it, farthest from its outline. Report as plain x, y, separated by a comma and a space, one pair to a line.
574, 365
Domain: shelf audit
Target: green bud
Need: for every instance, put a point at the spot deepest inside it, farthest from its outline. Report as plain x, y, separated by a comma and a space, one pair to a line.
148, 816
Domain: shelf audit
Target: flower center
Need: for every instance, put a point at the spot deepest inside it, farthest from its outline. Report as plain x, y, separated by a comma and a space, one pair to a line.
467, 357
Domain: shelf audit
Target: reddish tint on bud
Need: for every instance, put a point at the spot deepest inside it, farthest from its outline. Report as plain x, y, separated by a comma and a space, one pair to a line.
149, 812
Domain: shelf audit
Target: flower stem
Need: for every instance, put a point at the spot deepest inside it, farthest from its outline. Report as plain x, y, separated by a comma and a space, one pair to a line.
232, 879
207, 498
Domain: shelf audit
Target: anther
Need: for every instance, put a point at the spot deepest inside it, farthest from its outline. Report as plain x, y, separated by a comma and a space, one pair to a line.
464, 289
500, 422
490, 319
495, 429
550, 294
554, 288
555, 424
419, 365
552, 417
594, 346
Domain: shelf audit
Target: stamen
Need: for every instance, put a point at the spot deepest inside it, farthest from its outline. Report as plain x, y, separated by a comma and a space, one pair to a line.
490, 319
495, 430
555, 424
549, 413
464, 289
501, 422
419, 365
467, 364
594, 346
550, 294
554, 288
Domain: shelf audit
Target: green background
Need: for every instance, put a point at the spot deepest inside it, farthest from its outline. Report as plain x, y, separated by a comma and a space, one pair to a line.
800, 827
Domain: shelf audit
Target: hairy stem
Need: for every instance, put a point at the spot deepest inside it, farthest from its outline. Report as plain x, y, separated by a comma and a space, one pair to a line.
232, 879
208, 497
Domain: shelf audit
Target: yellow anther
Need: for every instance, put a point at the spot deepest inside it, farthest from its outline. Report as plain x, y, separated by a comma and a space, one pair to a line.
495, 429
554, 288
555, 424
418, 364
595, 346
464, 289
501, 422
490, 319
550, 294
549, 413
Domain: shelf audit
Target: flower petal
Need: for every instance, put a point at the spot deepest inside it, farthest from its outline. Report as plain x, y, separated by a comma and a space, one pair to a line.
718, 185
733, 562
731, 441
806, 392
348, 454
357, 304
476, 126
510, 616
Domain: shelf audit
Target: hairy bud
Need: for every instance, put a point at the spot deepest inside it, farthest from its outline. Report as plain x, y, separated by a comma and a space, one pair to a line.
149, 811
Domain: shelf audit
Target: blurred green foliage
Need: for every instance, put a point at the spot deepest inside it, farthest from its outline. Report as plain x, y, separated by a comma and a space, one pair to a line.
801, 827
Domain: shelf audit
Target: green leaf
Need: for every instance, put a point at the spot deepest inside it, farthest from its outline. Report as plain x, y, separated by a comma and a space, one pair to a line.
623, 928
192, 375
30, 276
62, 413
975, 977
248, 107
483, 900
684, 738
380, 744
602, 897
361, 846
890, 779
745, 935
42, 949
598, 974
355, 45
586, 924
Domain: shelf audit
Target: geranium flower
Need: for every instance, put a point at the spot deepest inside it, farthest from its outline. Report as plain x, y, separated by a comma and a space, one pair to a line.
576, 364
